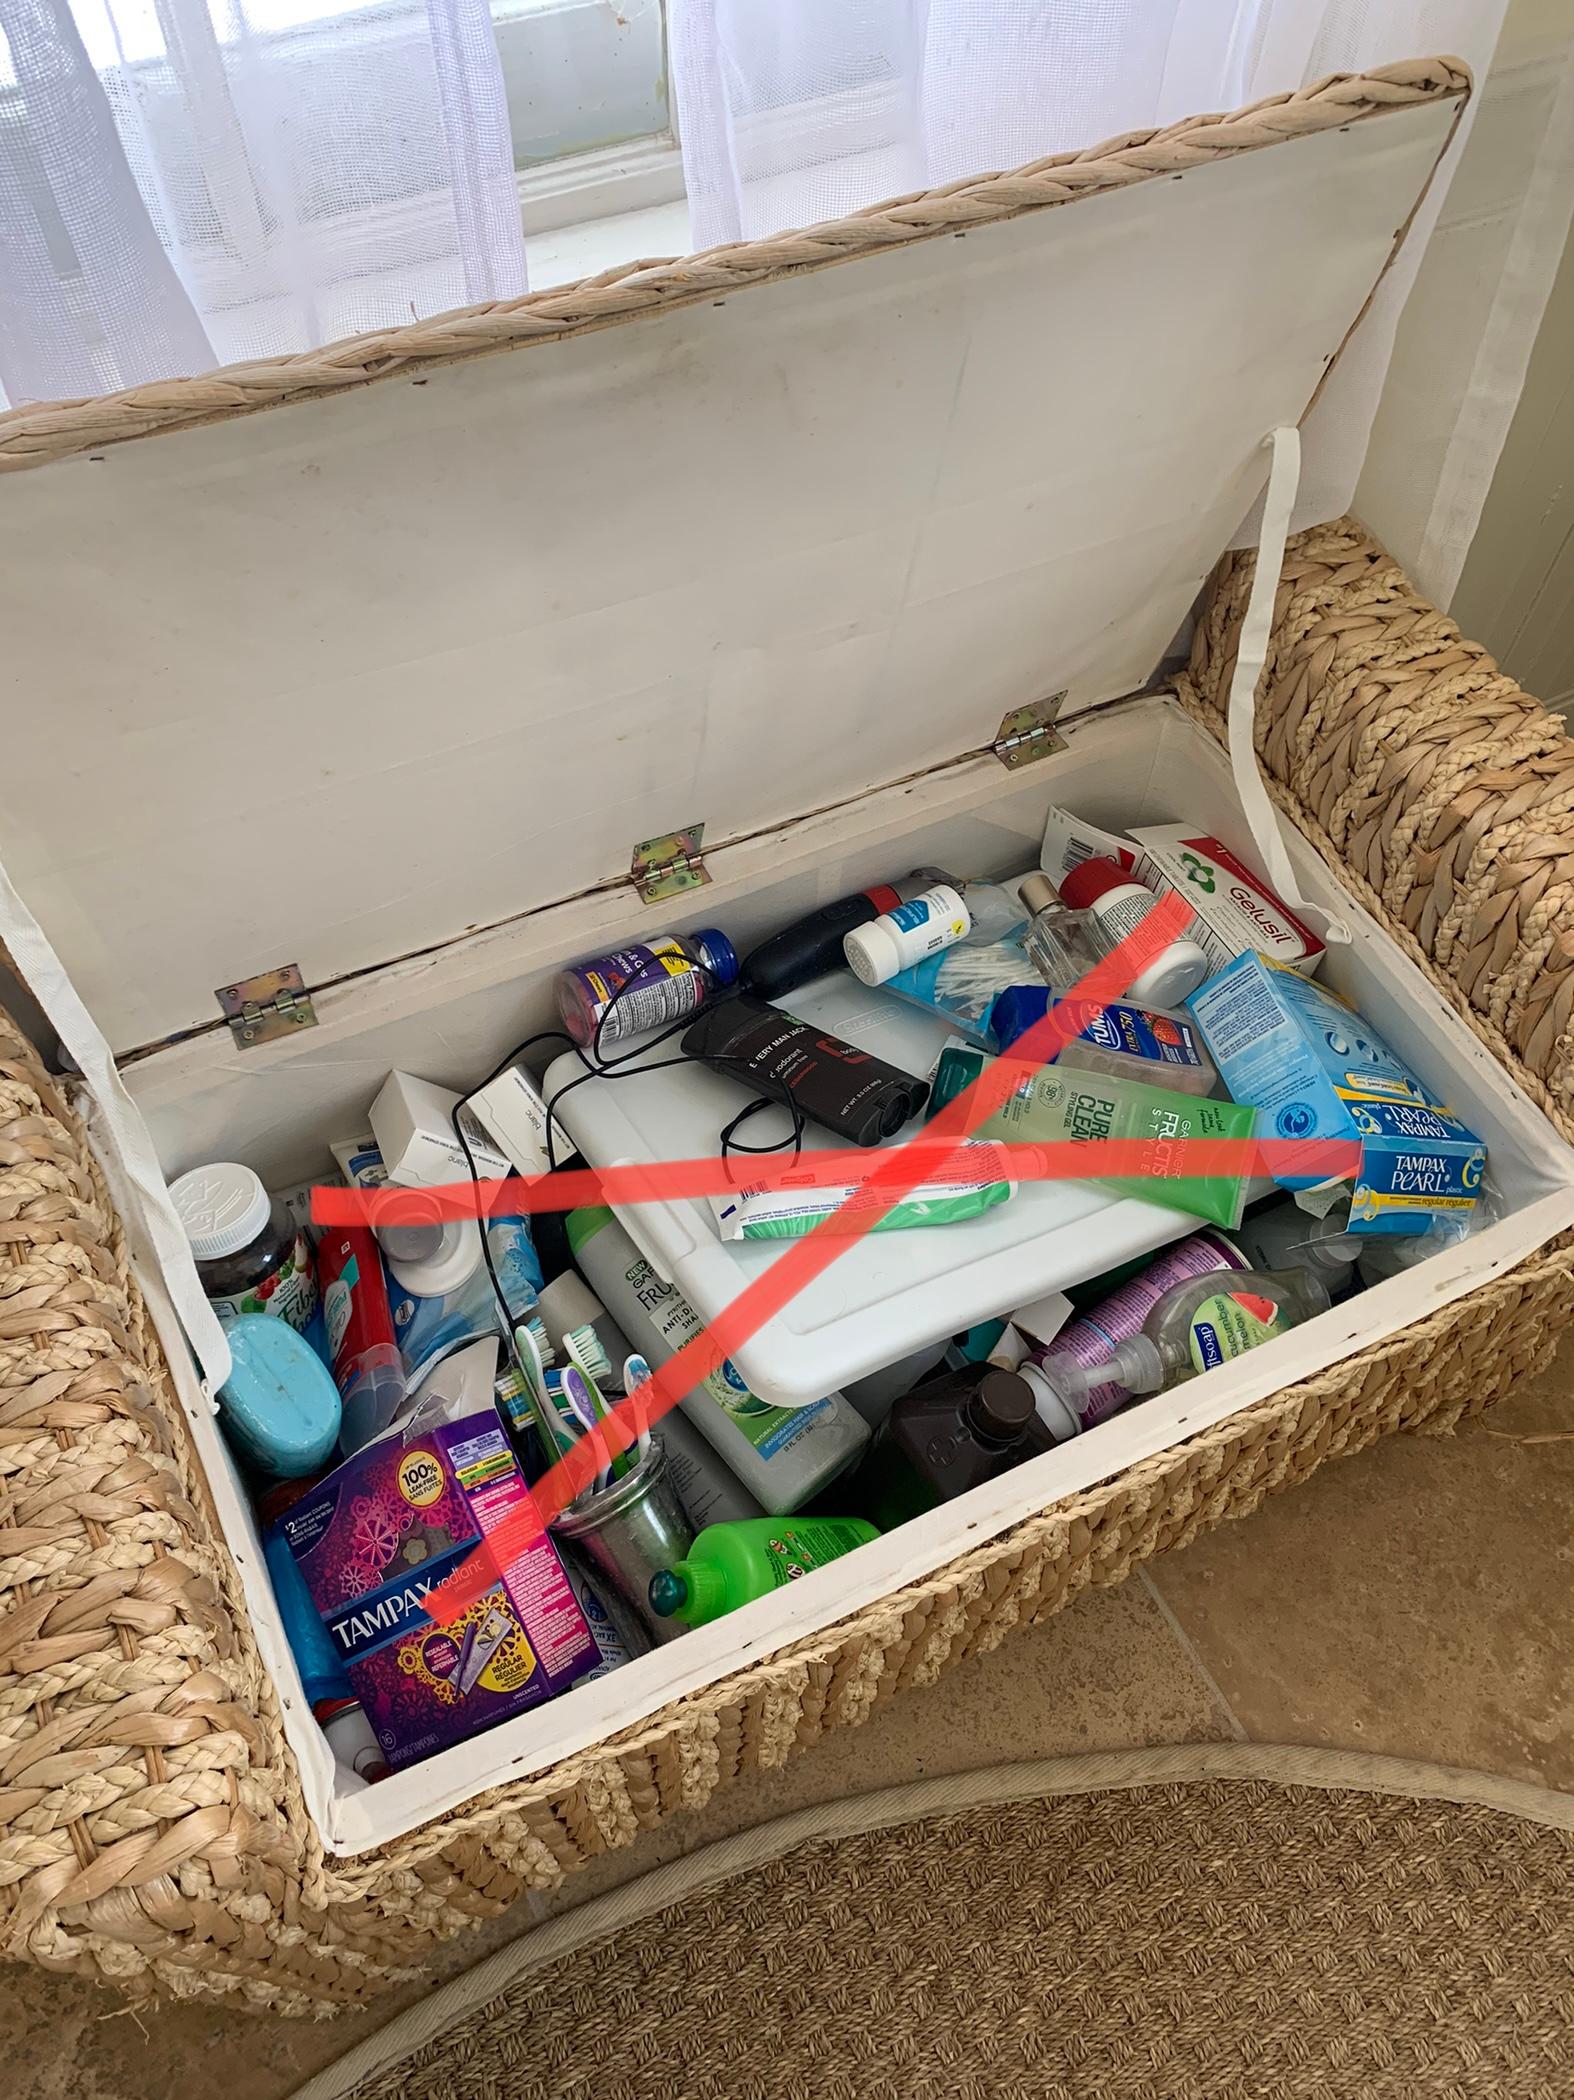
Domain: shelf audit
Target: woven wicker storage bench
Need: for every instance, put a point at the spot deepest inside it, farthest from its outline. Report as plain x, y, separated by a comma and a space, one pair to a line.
166, 1820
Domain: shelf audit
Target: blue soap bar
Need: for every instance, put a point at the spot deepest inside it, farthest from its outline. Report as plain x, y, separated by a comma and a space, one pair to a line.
279, 1406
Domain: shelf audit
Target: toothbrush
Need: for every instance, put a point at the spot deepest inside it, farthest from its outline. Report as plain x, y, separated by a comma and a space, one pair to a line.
520, 1382
572, 1413
582, 1347
637, 1372
557, 1424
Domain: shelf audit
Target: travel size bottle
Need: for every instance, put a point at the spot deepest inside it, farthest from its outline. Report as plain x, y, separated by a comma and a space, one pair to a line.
1062, 944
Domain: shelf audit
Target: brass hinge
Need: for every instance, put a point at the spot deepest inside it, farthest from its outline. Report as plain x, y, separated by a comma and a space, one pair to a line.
262, 1008
1028, 733
668, 866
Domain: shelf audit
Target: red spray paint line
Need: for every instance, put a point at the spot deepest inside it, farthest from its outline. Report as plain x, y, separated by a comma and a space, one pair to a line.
890, 1178
931, 1160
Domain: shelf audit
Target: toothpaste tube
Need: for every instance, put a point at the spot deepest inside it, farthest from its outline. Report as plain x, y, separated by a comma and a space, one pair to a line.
787, 1213
1052, 1106
1317, 1069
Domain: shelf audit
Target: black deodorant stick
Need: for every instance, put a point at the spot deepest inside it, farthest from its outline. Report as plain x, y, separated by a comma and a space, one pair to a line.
810, 946
834, 1083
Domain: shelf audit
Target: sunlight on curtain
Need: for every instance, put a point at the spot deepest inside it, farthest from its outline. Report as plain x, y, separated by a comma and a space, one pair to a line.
805, 109
187, 183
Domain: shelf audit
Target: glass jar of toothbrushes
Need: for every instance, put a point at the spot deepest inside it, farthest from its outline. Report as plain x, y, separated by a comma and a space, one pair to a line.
631, 1529
608, 997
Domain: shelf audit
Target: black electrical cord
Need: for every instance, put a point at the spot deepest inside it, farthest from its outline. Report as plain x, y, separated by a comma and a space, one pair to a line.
629, 1065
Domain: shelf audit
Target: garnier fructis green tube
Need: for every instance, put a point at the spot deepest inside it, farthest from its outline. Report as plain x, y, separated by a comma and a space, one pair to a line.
1052, 1106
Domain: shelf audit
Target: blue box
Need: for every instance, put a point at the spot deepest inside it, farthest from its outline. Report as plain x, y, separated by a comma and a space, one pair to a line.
1315, 1068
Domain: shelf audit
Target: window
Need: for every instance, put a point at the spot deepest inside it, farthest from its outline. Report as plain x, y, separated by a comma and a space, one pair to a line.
595, 141
585, 82
273, 173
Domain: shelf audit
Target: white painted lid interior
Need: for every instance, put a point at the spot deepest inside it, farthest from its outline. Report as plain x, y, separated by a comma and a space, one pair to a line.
436, 655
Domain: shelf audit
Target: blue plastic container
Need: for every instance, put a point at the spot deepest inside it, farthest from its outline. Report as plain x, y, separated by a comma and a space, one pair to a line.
279, 1407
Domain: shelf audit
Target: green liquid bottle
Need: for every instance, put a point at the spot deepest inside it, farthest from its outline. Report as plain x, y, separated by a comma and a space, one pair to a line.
732, 1564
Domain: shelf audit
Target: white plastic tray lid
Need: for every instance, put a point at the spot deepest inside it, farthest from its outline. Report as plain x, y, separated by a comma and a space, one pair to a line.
887, 1293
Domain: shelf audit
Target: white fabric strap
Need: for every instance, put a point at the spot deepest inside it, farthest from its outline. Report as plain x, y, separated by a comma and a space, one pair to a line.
120, 1122
1261, 818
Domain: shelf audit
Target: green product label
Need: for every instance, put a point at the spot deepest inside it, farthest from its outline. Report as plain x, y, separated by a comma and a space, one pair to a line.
1225, 1327
769, 1429
801, 1546
290, 1292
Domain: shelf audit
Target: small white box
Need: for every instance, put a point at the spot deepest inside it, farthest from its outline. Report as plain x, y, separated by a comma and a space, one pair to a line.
1236, 911
516, 1117
411, 1121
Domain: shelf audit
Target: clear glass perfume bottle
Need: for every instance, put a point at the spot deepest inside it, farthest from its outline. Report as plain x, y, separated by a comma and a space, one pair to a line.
1062, 944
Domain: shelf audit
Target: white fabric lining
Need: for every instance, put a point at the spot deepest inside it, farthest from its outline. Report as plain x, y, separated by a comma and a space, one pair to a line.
1277, 506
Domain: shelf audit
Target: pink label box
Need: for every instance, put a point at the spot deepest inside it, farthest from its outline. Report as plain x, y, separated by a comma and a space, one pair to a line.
382, 1532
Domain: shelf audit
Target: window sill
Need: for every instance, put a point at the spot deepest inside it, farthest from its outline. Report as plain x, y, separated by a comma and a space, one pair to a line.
593, 245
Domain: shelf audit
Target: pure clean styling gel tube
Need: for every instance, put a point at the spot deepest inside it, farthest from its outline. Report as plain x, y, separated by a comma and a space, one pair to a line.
1055, 1105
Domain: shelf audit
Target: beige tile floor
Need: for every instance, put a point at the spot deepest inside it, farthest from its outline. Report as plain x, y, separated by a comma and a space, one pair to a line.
1414, 1600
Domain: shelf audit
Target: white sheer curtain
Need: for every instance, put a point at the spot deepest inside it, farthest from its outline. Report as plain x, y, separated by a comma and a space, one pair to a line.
804, 109
187, 183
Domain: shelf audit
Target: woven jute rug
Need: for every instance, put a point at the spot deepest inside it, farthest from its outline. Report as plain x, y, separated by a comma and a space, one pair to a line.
1176, 1925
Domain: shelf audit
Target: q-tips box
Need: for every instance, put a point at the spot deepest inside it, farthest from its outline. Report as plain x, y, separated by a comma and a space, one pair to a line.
1315, 1068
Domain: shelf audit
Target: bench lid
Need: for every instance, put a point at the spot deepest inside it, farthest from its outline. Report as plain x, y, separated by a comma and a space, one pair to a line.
323, 671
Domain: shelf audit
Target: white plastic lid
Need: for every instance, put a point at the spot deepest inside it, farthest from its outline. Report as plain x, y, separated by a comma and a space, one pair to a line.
453, 1264
416, 1240
1062, 1422
873, 952
411, 1243
223, 1208
1171, 979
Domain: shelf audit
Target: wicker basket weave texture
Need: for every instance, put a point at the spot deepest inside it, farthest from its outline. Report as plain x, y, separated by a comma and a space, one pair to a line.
1443, 793
152, 1832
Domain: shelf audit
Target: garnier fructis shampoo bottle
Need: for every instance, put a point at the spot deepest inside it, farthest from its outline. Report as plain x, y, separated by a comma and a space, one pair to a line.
1054, 1105
732, 1564
783, 1455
